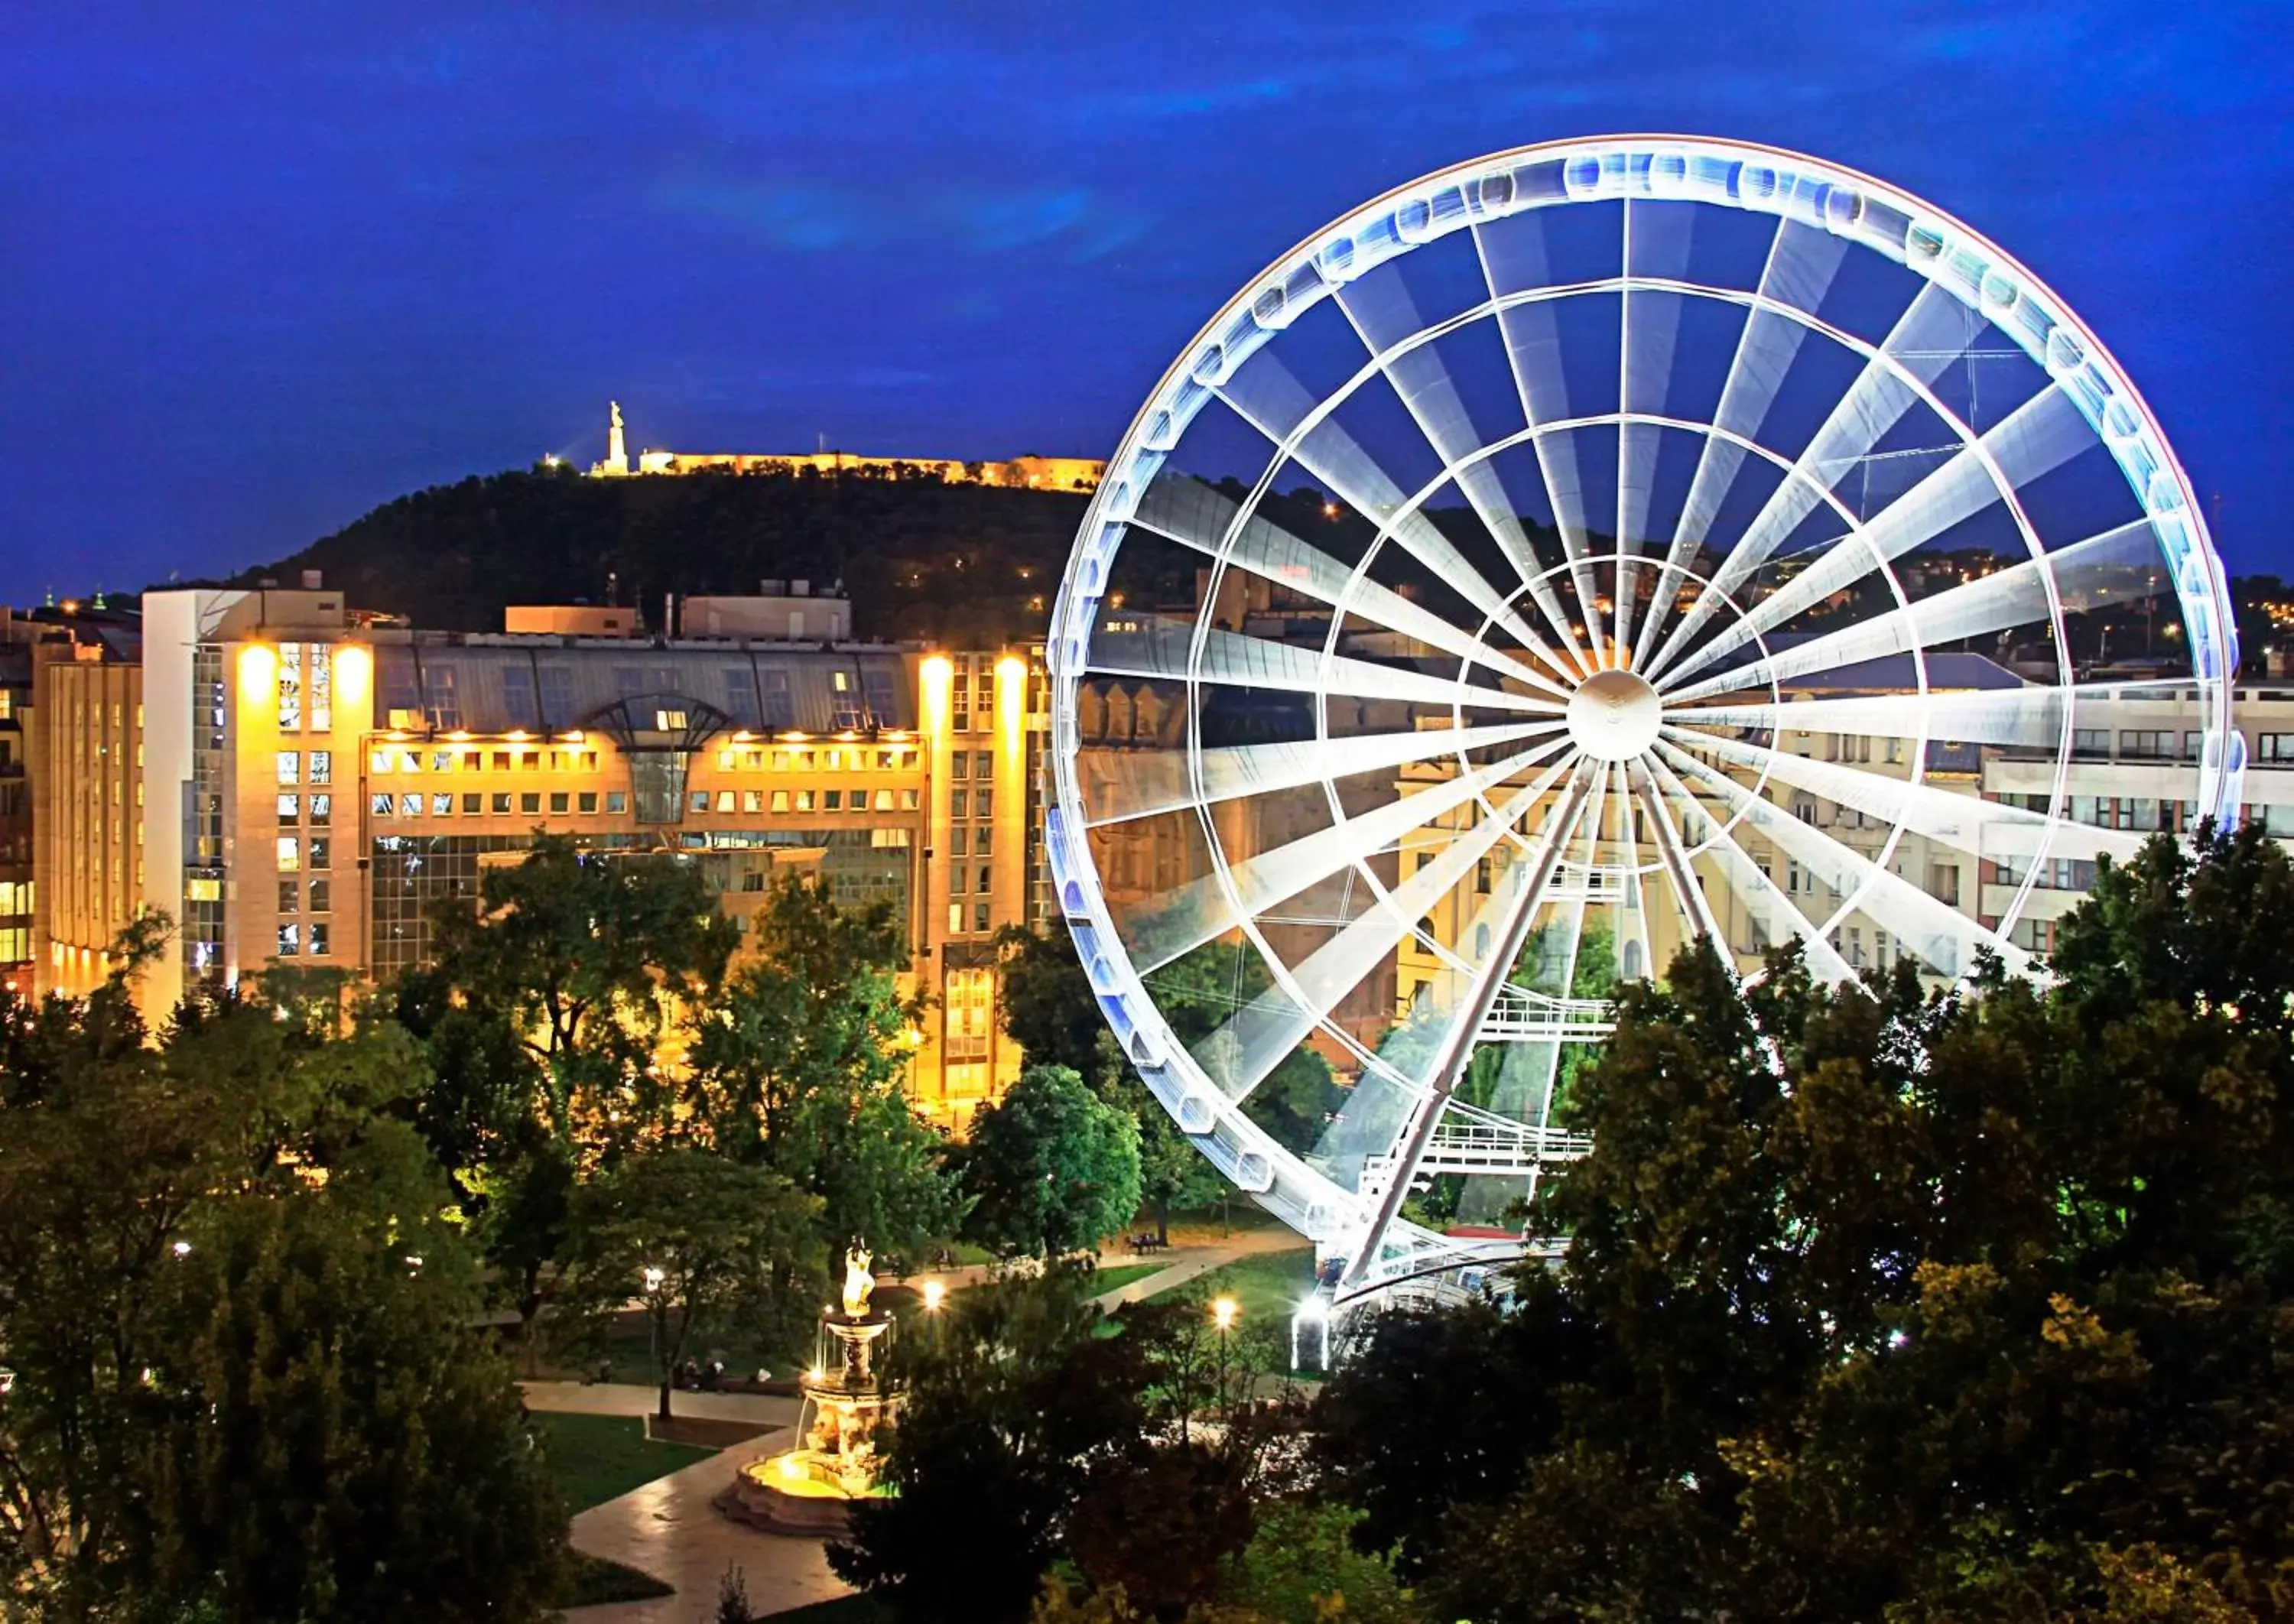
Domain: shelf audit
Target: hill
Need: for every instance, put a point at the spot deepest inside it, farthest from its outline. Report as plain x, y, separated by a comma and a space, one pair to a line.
971, 566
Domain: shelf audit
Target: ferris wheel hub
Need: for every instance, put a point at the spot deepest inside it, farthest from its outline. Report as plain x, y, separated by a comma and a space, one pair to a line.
1614, 716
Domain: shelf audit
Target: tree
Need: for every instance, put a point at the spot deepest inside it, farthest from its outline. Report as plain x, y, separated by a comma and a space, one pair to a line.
1052, 1167
590, 959
234, 1393
697, 1239
1047, 1007
1890, 1303
1030, 1431
799, 1064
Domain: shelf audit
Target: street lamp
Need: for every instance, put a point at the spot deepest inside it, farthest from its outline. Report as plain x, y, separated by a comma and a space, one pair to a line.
653, 1282
935, 1293
1223, 1314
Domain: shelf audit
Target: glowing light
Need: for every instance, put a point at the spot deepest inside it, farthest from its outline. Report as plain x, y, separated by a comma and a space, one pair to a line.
812, 1375
459, 735
653, 1280
572, 735
353, 674
517, 735
935, 1293
181, 1248
1224, 1311
938, 672
258, 668
790, 1468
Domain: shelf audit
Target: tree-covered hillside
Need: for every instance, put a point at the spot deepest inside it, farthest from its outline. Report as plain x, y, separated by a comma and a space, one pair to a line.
968, 565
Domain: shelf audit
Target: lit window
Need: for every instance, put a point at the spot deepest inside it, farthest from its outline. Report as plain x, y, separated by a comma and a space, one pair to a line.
780, 800
322, 809
618, 800
724, 801
442, 805
320, 945
381, 760
321, 852
290, 854
290, 808
804, 801
290, 940
322, 767
410, 806
753, 800
290, 767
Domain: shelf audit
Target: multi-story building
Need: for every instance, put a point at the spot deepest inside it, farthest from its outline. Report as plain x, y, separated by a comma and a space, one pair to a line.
17, 886
297, 784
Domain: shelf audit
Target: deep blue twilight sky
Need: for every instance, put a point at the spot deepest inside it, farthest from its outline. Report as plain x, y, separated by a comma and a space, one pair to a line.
262, 267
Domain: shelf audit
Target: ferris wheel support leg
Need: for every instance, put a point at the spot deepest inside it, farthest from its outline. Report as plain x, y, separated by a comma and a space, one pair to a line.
1449, 1063
1693, 906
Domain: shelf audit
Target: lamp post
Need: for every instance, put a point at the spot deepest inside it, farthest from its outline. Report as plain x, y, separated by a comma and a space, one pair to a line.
1223, 1314
653, 1283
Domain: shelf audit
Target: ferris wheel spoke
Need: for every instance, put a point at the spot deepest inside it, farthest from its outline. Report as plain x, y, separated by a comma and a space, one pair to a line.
1201, 910
1193, 514
1163, 647
1799, 268
1141, 783
2102, 568
2030, 717
1944, 938
1515, 915
1930, 332
1260, 1035
2040, 436
1531, 333
1267, 397
1967, 823
1695, 908
1386, 321
1749, 881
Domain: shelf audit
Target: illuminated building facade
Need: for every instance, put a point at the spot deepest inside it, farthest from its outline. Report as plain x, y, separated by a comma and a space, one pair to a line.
298, 788
1024, 473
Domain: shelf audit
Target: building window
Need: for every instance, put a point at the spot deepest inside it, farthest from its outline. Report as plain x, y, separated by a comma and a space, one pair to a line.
959, 765
501, 802
2274, 747
956, 919
983, 764
959, 803
290, 940
321, 852
983, 804
290, 808
290, 687
290, 854
589, 801
518, 697
724, 801
987, 880
556, 696
618, 800
530, 802
321, 893
410, 806
440, 696
321, 684
980, 920
804, 801
290, 767
290, 896
958, 842
320, 945
560, 802
323, 810
441, 805
322, 767
908, 800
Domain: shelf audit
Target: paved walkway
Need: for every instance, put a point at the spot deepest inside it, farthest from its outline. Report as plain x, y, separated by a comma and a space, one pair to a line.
671, 1529
628, 1399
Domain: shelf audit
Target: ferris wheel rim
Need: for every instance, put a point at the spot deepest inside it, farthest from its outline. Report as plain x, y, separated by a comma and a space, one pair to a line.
2202, 603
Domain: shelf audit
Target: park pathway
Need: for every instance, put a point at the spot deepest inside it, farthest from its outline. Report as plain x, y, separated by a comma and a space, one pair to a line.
1192, 1263
671, 1529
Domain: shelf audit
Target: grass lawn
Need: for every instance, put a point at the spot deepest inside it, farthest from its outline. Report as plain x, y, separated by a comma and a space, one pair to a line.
629, 1345
1116, 1276
595, 1458
1267, 1285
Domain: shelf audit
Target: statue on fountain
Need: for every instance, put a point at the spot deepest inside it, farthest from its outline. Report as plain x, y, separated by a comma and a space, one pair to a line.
858, 1283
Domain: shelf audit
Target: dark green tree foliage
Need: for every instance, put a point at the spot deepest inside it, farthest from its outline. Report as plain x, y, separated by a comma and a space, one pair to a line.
235, 1393
1050, 1168
697, 1239
1887, 1304
1029, 1434
584, 957
1046, 1001
799, 1066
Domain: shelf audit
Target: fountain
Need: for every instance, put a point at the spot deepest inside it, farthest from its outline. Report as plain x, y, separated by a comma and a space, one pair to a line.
809, 1488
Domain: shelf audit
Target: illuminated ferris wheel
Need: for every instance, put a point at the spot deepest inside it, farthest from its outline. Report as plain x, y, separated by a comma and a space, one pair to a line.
1579, 550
